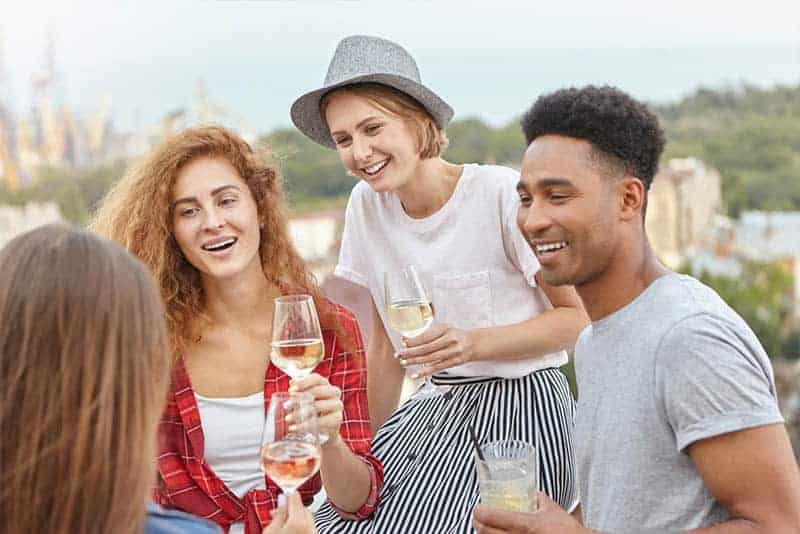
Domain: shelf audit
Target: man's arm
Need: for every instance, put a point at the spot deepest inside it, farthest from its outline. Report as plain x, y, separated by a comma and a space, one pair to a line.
754, 475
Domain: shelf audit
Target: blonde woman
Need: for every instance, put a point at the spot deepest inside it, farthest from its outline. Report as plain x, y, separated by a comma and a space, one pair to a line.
207, 215
494, 351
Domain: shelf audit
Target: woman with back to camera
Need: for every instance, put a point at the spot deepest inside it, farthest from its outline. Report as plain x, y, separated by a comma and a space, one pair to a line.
83, 374
207, 215
500, 332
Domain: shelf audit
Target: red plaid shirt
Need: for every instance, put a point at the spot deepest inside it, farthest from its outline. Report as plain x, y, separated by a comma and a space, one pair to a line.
187, 482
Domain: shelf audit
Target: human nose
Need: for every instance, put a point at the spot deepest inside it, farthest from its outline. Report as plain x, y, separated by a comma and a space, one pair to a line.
362, 148
213, 220
533, 220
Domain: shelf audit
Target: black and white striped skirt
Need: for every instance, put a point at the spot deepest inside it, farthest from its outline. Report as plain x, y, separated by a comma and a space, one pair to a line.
430, 482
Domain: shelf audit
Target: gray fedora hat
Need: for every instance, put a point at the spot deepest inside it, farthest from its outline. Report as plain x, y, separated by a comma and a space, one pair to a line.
362, 59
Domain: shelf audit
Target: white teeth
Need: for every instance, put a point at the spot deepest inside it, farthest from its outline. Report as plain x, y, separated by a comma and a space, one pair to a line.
375, 168
220, 245
551, 246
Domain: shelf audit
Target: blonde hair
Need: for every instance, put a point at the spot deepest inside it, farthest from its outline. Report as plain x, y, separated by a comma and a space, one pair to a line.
84, 360
429, 138
137, 214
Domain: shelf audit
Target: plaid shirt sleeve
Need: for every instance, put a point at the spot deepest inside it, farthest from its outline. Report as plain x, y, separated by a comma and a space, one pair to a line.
349, 373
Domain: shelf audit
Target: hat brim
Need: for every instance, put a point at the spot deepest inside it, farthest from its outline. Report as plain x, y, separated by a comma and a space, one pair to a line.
307, 116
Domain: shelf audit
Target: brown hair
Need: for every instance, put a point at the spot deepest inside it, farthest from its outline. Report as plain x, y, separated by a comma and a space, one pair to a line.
136, 213
430, 139
84, 359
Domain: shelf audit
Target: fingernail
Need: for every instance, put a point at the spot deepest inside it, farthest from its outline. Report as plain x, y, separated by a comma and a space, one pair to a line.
289, 418
415, 375
293, 389
403, 362
292, 428
281, 500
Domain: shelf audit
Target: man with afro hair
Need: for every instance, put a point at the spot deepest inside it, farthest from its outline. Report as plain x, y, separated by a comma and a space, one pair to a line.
677, 425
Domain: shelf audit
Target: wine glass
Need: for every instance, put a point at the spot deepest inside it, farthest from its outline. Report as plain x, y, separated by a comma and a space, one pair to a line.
297, 345
408, 306
290, 448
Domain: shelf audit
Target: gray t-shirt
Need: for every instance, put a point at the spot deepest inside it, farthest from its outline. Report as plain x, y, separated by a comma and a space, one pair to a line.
674, 366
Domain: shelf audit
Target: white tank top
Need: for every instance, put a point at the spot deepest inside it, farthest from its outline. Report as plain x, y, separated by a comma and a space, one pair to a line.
232, 430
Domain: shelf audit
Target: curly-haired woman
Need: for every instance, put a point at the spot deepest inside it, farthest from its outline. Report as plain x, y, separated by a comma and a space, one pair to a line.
207, 215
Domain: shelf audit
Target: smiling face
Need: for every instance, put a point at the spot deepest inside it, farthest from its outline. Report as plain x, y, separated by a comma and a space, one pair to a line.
215, 219
373, 144
568, 210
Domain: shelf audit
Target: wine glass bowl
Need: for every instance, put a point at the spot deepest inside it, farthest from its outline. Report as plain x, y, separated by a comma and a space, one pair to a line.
297, 345
290, 444
408, 305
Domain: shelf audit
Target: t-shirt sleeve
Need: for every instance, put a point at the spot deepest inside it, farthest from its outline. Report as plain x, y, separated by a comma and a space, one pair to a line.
713, 377
351, 265
517, 248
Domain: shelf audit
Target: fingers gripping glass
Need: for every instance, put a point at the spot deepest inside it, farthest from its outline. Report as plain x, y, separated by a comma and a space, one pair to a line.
290, 445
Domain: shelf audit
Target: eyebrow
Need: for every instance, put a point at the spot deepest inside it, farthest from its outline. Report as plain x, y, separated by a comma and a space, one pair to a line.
215, 192
359, 125
554, 182
544, 183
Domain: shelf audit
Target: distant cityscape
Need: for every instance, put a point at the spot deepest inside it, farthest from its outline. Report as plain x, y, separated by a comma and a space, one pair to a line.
53, 134
685, 216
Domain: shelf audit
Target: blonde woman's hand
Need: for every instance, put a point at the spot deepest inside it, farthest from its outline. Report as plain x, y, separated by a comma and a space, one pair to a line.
291, 518
327, 401
438, 348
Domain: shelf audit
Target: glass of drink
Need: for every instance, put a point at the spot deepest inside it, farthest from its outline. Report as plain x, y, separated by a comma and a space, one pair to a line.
508, 475
290, 452
296, 336
408, 306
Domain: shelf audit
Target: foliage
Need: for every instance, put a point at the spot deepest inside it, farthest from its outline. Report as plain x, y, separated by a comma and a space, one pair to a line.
310, 171
751, 135
76, 191
764, 302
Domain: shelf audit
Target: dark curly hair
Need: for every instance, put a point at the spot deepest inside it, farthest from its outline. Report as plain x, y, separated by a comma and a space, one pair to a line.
623, 132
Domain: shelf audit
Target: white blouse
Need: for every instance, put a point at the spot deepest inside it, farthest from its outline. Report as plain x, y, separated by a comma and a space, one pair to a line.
479, 268
232, 429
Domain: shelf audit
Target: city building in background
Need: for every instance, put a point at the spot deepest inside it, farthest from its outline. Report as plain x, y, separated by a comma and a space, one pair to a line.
684, 199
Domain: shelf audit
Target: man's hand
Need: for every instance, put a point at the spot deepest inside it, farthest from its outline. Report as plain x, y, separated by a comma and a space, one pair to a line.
549, 518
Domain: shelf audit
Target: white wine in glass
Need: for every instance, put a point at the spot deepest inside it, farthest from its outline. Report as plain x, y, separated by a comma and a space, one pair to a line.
410, 317
407, 304
290, 452
297, 345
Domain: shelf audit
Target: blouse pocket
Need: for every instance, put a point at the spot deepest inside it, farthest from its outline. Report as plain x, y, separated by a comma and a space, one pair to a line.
463, 300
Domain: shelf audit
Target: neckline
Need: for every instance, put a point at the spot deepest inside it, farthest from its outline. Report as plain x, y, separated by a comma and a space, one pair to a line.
426, 224
603, 323
247, 399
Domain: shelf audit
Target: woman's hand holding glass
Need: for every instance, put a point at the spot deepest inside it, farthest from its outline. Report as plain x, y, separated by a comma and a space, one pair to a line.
290, 447
440, 347
327, 404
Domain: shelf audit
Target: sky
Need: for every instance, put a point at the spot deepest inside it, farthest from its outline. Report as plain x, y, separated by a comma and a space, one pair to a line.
489, 59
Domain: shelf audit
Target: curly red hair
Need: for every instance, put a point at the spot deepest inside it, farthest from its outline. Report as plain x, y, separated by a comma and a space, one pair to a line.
136, 213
